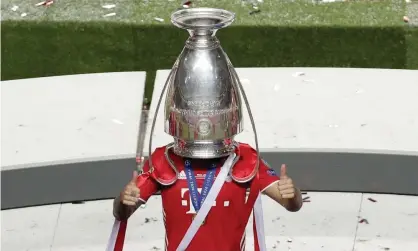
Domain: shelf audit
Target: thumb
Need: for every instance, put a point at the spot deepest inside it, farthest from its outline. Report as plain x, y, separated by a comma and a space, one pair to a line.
134, 176
283, 172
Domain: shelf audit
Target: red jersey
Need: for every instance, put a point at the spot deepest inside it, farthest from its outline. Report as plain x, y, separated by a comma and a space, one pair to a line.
218, 233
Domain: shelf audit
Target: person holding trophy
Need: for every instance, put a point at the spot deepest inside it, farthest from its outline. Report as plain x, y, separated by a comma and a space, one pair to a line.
204, 175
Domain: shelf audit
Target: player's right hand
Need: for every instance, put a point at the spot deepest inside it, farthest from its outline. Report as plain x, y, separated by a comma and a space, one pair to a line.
130, 194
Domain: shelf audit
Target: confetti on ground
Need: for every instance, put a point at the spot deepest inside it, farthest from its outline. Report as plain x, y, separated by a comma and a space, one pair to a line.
298, 74
115, 120
187, 4
289, 240
159, 19
109, 6
14, 8
372, 200
23, 14
110, 14
147, 220
364, 221
405, 19
45, 3
254, 12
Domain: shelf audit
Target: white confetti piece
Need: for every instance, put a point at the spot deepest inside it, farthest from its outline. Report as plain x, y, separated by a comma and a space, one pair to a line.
14, 8
276, 88
289, 240
308, 81
109, 6
359, 91
23, 14
330, 1
110, 14
117, 121
333, 126
298, 74
158, 19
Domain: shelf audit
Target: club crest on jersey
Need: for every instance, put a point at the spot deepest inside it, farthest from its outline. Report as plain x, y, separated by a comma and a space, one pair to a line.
181, 175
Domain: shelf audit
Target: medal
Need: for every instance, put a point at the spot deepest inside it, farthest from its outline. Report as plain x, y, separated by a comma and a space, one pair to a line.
196, 198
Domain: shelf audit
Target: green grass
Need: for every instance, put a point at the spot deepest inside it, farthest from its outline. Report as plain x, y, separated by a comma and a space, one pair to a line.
273, 12
73, 37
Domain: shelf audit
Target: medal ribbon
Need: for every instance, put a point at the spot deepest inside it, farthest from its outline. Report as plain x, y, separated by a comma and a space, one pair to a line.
198, 199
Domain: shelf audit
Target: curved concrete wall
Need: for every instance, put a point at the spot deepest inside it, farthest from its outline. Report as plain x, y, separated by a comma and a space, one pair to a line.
72, 138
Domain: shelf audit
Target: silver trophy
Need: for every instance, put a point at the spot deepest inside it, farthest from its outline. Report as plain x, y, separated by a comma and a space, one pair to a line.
203, 103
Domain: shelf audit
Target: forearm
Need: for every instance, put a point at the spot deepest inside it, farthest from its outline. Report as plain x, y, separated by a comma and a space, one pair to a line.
294, 204
121, 211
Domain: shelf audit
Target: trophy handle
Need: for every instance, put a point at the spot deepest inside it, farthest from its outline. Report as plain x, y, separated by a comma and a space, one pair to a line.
241, 89
155, 118
140, 160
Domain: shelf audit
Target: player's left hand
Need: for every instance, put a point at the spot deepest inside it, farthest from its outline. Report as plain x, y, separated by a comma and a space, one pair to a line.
286, 188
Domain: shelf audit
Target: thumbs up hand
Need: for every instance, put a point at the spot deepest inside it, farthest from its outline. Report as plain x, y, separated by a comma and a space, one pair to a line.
286, 188
130, 194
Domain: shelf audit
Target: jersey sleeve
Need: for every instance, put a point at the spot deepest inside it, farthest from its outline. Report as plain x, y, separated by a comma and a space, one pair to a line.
146, 184
267, 175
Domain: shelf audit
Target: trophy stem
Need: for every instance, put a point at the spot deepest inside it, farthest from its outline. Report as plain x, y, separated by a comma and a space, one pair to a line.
202, 39
202, 33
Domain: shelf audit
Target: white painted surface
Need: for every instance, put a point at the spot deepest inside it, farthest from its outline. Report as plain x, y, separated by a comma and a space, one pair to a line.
340, 109
65, 118
393, 219
29, 229
327, 223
